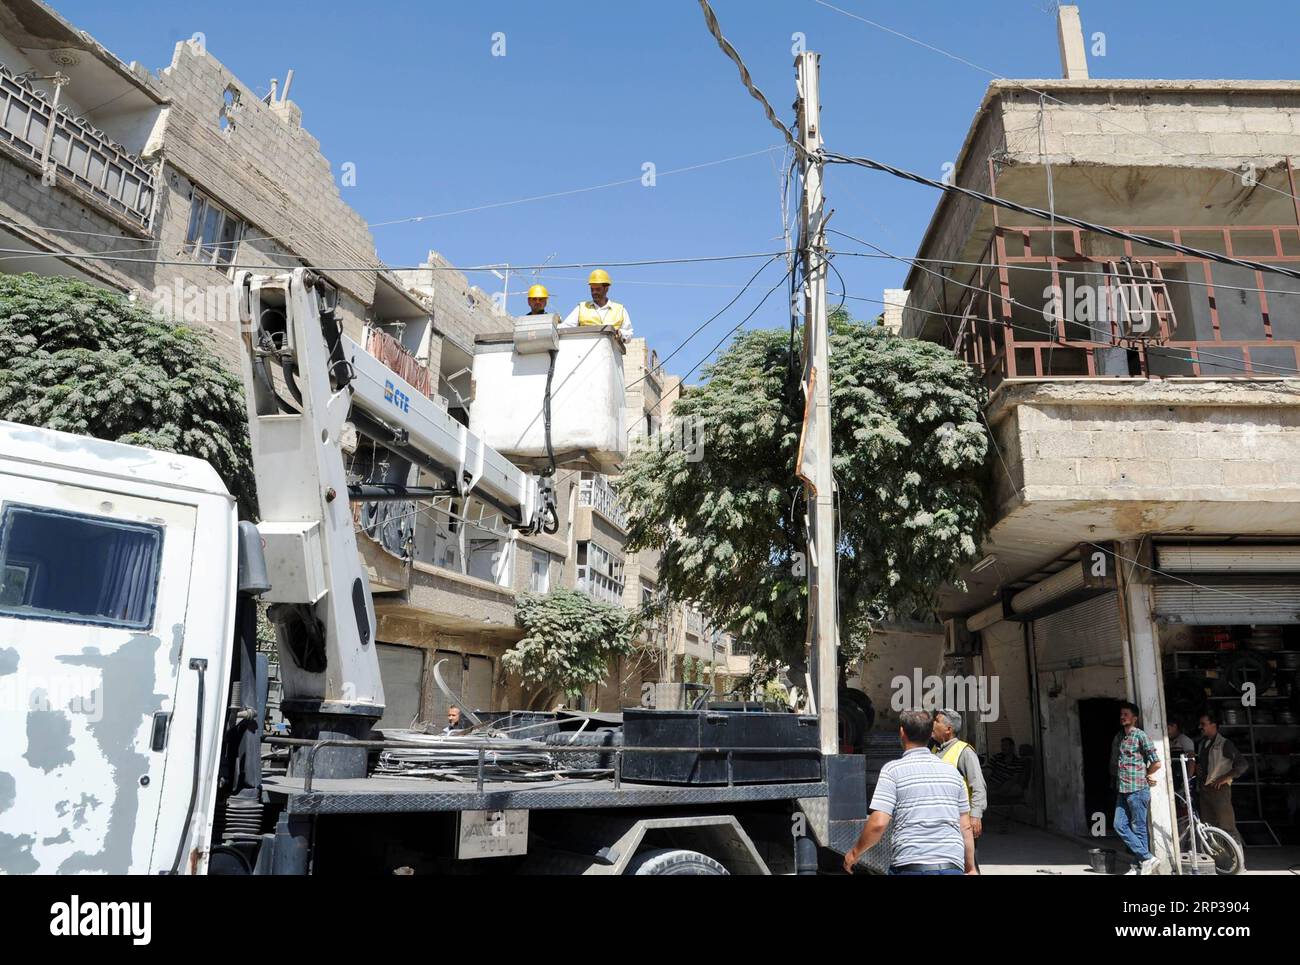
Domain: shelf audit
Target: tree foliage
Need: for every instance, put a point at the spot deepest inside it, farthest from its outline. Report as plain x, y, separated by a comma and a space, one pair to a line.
909, 454
79, 358
569, 639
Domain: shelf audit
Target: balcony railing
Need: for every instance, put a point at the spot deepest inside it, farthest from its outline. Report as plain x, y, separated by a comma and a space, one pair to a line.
595, 491
78, 150
1098, 307
694, 622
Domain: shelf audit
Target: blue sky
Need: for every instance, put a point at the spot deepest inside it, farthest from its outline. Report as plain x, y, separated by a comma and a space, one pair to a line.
587, 93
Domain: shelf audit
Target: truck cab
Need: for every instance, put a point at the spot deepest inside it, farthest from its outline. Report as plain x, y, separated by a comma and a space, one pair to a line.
117, 569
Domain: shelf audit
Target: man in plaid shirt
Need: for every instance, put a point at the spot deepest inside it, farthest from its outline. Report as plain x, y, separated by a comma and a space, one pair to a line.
1136, 765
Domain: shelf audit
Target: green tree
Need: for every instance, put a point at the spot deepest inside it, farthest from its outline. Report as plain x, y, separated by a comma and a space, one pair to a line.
909, 460
82, 359
569, 639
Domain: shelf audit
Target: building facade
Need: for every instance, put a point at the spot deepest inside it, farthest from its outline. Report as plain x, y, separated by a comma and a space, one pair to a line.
1145, 418
155, 183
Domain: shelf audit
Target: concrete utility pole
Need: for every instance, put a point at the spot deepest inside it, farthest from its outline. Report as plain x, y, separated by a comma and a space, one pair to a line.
815, 443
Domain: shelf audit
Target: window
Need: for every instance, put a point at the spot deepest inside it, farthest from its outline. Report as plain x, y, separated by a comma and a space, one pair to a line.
600, 574
73, 568
213, 233
539, 579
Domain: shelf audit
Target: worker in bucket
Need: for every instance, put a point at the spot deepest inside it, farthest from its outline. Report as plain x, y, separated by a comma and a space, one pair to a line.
537, 296
600, 310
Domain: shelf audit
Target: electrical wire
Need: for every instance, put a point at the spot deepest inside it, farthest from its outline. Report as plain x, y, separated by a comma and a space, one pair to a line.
561, 194
1045, 215
1291, 370
703, 325
1067, 266
316, 233
711, 20
734, 330
85, 256
1096, 115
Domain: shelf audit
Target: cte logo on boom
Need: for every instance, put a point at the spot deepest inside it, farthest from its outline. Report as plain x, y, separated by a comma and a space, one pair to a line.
396, 396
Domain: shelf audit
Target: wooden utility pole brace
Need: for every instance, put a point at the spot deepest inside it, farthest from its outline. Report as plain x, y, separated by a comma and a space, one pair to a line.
815, 445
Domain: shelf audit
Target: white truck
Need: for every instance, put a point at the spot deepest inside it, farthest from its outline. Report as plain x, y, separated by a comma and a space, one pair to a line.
133, 698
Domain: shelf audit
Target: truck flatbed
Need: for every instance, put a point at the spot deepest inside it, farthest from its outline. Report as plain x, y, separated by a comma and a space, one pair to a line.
397, 795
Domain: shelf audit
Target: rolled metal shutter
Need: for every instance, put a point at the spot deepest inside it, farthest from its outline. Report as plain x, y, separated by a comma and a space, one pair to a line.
476, 687
1084, 635
1227, 605
400, 669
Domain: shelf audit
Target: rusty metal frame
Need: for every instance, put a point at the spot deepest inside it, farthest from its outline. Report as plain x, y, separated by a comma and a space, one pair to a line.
987, 335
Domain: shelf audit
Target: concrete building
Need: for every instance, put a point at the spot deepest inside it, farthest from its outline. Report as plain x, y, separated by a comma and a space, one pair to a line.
1145, 412
155, 183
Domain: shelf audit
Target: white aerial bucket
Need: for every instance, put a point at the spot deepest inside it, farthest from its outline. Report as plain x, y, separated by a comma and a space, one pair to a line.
588, 427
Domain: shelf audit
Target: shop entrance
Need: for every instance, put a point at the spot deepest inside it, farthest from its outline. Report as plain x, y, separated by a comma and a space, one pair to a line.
1098, 725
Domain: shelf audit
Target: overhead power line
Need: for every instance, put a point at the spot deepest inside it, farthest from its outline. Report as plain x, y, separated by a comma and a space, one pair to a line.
1055, 217
1064, 266
1100, 117
89, 256
1202, 355
714, 28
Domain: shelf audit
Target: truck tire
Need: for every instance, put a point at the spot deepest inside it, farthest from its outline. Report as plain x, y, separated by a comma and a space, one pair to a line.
862, 701
674, 861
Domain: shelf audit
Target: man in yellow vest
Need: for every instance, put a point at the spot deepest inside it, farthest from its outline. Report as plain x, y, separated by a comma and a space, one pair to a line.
600, 310
537, 296
952, 750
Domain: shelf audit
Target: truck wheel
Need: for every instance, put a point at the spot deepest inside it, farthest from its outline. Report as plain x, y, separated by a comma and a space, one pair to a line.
674, 861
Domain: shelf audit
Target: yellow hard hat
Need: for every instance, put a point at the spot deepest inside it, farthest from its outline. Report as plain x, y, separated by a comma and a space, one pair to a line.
538, 291
599, 277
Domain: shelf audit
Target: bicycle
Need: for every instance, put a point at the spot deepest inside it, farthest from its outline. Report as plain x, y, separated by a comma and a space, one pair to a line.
1197, 838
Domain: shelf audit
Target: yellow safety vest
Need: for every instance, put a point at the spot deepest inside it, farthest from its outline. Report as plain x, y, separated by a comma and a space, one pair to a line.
588, 314
952, 755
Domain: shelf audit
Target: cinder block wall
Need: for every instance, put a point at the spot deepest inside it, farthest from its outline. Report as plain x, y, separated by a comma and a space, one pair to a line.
1165, 123
1201, 441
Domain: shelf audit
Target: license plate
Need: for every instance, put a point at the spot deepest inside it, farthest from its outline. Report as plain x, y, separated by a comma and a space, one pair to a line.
491, 834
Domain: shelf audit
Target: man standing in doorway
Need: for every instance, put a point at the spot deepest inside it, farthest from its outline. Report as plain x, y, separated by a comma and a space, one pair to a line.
952, 750
926, 802
1136, 765
1218, 764
600, 310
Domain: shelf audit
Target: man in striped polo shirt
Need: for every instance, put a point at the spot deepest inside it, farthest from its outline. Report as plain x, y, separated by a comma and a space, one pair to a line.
926, 802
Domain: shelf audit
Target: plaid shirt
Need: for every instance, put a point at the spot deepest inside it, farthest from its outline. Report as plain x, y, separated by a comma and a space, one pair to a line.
1136, 754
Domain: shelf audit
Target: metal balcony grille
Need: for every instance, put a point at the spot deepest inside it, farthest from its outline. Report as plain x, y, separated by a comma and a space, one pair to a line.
80, 152
1149, 313
595, 491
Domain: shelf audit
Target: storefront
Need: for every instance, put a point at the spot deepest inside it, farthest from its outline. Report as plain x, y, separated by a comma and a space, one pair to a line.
1178, 629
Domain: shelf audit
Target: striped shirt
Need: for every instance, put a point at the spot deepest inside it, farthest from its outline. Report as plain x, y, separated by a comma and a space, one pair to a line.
925, 798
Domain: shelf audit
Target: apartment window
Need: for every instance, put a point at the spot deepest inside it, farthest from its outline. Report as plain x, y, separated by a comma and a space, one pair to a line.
213, 232
600, 574
539, 579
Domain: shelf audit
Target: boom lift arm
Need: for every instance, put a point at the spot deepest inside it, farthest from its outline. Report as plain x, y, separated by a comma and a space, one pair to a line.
292, 341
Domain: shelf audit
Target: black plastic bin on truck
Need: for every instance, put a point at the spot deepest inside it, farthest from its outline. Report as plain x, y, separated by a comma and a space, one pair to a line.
708, 729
